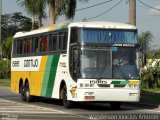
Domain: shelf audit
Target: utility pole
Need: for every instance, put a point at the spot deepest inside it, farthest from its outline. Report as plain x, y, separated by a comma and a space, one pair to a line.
0, 30
132, 12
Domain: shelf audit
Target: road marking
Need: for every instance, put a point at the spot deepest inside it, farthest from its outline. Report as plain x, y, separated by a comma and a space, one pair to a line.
25, 108
28, 112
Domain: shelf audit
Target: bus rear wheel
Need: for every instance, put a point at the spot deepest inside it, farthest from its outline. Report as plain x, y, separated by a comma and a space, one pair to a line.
66, 102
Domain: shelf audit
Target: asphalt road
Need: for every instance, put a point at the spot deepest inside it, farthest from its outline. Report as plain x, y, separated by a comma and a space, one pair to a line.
12, 108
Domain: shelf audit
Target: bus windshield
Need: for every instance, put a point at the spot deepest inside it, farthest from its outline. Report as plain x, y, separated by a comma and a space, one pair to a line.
109, 36
108, 63
124, 63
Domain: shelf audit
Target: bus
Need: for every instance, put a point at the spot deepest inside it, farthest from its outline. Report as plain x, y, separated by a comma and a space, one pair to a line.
77, 62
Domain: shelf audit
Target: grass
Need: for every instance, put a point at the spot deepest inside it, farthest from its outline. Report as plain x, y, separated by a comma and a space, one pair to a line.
151, 96
5, 82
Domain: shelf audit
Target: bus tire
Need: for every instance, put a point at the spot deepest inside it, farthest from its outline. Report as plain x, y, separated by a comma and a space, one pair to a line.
22, 92
66, 102
28, 97
115, 105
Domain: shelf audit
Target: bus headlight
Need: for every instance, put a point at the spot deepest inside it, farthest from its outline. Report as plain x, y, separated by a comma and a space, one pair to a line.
133, 86
133, 94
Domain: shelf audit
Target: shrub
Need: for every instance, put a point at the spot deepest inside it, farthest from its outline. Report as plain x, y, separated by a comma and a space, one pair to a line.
151, 76
5, 69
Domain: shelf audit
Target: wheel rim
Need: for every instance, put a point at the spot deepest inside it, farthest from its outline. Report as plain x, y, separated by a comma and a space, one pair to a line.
22, 91
27, 93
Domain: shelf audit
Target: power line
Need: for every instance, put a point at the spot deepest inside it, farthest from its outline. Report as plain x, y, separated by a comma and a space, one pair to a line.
94, 5
105, 11
148, 5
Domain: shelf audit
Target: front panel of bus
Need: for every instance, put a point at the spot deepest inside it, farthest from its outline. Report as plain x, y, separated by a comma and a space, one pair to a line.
104, 63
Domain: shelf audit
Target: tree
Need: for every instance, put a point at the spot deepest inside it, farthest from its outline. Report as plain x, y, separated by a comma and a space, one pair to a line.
7, 47
12, 23
15, 22
145, 38
156, 54
36, 8
62, 7
56, 7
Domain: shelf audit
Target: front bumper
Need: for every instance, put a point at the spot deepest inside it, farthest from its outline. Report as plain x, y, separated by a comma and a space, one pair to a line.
107, 95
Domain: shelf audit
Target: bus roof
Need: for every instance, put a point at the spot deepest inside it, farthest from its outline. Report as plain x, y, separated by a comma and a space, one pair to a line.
102, 24
63, 26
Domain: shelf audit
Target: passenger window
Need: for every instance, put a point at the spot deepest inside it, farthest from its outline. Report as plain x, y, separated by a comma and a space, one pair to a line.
53, 41
61, 39
43, 43
65, 40
35, 41
27, 45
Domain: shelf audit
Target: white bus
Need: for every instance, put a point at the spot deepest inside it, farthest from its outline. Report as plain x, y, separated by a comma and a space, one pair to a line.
77, 62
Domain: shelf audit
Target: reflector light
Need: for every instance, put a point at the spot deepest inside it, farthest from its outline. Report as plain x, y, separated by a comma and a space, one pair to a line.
89, 97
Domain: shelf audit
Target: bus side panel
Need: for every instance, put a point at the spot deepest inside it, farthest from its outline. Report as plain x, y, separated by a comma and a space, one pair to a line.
49, 75
36, 78
63, 75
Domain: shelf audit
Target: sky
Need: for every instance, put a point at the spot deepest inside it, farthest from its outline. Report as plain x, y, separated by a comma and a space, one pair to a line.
147, 19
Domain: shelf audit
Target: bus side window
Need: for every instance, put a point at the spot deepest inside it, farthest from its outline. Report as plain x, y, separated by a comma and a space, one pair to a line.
65, 40
53, 42
60, 40
27, 45
19, 46
43, 43
35, 41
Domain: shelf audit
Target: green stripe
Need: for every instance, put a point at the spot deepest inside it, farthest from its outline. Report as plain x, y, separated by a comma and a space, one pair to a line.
119, 82
115, 82
124, 82
49, 75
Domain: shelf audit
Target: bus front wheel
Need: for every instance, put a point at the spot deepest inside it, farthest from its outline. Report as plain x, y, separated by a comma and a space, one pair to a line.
66, 102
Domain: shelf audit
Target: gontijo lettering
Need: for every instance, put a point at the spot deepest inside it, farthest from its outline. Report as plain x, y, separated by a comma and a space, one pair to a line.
31, 63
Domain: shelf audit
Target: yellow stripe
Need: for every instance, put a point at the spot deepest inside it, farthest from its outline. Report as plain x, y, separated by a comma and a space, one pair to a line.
133, 82
39, 76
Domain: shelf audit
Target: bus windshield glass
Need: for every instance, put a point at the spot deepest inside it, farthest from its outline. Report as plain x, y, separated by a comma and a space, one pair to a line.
108, 36
108, 63
96, 63
124, 63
